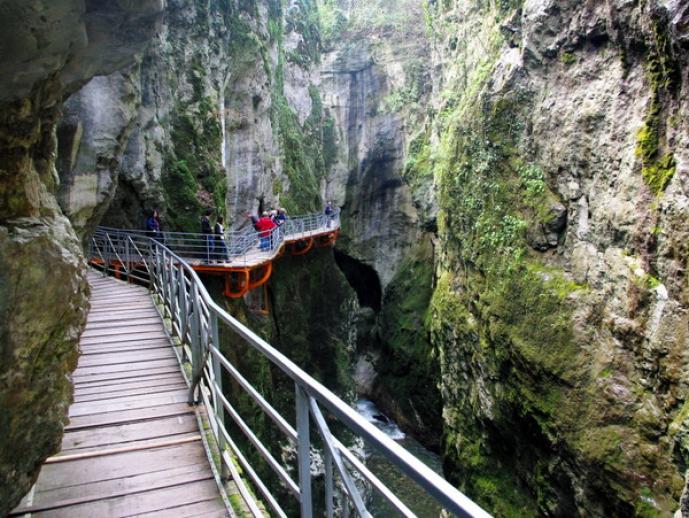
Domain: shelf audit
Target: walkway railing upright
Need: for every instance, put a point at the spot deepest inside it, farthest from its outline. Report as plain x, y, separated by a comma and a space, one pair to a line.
196, 321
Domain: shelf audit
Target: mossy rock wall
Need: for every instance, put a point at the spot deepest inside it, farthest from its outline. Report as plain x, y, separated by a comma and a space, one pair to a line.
557, 316
408, 370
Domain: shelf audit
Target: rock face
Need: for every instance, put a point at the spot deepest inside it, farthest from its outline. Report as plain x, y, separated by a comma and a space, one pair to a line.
239, 130
558, 141
512, 177
48, 51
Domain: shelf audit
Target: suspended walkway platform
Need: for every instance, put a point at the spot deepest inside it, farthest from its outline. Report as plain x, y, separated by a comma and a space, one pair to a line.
244, 258
133, 445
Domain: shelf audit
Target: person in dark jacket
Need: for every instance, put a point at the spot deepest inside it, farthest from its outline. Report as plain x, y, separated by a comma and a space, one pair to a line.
254, 220
281, 217
207, 232
330, 213
221, 253
153, 223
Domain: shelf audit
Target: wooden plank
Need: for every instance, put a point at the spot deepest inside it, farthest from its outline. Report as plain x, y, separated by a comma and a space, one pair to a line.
120, 466
125, 338
143, 444
139, 503
114, 291
206, 509
121, 315
84, 493
109, 395
127, 346
120, 329
125, 355
95, 350
98, 378
133, 447
161, 353
130, 322
114, 387
155, 396
74, 441
115, 378
86, 372
120, 303
128, 308
117, 292
129, 416
131, 403
120, 381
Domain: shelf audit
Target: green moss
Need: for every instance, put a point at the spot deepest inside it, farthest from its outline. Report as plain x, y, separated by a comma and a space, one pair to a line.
602, 445
568, 58
303, 17
180, 187
663, 71
193, 164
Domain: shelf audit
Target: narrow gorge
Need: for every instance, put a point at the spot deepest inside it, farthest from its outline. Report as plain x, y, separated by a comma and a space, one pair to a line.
509, 285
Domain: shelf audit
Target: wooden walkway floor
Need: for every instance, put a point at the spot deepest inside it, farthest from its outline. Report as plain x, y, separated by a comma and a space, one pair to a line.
132, 446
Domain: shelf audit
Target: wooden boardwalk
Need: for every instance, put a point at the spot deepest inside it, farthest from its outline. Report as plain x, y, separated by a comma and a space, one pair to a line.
132, 446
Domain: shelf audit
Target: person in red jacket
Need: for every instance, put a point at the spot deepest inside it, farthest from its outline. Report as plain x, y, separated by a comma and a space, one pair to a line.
264, 226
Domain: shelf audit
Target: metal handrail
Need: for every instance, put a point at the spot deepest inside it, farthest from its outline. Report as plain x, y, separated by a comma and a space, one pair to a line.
236, 245
195, 319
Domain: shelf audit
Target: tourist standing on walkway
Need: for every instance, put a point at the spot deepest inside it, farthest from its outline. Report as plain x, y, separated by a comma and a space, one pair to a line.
265, 226
153, 223
281, 217
330, 213
221, 253
207, 232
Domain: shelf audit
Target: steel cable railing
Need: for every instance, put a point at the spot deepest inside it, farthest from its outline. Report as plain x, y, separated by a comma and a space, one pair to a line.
196, 320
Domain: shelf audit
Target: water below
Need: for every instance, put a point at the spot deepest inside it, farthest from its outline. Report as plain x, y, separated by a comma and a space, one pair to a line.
409, 492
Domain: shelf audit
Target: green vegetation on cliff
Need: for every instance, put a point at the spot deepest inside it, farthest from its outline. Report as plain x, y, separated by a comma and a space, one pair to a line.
662, 69
193, 178
308, 149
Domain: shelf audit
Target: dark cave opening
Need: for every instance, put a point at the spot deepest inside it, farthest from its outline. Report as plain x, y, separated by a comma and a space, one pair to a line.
363, 278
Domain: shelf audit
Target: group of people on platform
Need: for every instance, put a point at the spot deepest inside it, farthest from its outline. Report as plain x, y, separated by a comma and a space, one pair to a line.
264, 225
215, 247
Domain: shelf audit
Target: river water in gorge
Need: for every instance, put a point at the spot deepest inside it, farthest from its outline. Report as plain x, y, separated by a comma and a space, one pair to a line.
409, 492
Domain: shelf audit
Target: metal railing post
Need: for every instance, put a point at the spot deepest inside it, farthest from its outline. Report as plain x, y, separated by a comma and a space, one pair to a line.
182, 303
127, 260
195, 341
328, 483
173, 298
218, 407
304, 452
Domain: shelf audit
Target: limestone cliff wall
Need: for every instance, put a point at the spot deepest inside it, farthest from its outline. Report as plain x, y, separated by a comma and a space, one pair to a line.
48, 50
557, 144
221, 112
